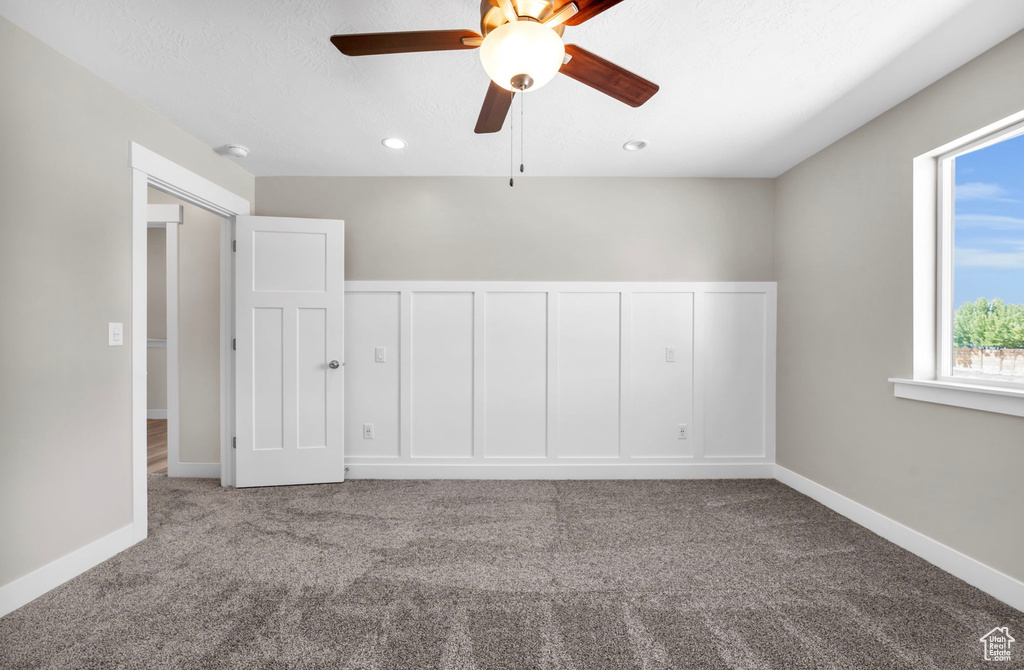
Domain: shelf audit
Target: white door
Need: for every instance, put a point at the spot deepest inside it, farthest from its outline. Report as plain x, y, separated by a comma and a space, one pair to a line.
289, 330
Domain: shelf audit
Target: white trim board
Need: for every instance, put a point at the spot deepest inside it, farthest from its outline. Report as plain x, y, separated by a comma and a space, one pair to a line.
169, 177
977, 574
173, 354
998, 399
388, 286
196, 470
36, 583
554, 471
161, 215
156, 413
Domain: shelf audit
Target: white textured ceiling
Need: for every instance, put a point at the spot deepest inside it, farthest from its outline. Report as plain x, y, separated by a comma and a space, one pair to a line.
748, 87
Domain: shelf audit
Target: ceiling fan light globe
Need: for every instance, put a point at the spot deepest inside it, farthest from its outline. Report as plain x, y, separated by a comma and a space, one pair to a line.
522, 48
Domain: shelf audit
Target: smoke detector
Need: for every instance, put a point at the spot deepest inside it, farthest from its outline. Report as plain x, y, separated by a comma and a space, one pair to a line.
236, 150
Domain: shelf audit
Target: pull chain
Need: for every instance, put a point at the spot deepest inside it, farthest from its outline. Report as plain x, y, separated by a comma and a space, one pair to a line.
511, 142
522, 133
512, 137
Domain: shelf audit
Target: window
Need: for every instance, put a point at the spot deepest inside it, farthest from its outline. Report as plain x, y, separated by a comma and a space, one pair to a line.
980, 320
969, 272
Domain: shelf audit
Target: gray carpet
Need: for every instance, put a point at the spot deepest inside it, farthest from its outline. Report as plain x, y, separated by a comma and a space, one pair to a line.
462, 575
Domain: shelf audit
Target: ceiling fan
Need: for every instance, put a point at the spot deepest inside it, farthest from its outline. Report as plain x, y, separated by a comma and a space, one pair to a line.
521, 49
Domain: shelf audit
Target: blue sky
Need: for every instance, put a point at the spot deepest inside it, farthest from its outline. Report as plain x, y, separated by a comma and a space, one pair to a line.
989, 224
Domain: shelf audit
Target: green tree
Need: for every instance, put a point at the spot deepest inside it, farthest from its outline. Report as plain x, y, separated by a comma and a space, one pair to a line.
989, 323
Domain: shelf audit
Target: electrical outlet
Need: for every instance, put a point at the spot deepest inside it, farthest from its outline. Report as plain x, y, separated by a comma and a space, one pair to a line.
380, 355
367, 431
670, 354
682, 434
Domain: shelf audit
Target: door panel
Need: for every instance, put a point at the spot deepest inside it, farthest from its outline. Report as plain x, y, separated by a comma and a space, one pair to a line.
289, 261
268, 378
289, 324
312, 378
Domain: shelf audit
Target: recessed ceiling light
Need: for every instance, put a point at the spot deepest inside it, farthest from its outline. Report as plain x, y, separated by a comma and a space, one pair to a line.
394, 143
635, 145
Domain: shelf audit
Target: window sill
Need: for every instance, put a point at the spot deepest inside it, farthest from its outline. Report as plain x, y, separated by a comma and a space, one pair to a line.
985, 398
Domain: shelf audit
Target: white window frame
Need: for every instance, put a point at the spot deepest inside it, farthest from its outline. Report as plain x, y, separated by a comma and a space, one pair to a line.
932, 380
946, 250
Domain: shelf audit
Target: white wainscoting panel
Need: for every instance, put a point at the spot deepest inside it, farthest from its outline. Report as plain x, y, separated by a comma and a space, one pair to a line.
588, 375
662, 391
735, 389
372, 388
442, 374
555, 380
516, 374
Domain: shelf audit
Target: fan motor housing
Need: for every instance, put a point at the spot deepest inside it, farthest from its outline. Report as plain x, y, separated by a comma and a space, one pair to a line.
491, 15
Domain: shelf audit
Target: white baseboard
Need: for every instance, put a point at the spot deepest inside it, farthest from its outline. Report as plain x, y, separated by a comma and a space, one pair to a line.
26, 589
506, 470
194, 470
156, 414
975, 573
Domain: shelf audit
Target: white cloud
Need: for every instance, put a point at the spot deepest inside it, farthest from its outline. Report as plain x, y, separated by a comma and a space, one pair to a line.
976, 190
987, 258
991, 221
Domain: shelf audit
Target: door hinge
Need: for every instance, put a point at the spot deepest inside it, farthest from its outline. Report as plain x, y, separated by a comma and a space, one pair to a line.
234, 443
234, 245
233, 344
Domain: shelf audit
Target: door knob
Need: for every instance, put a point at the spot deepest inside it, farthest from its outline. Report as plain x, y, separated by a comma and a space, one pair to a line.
334, 365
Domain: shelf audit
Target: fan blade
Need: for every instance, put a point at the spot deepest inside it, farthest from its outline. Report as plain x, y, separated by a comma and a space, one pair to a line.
588, 9
368, 44
495, 109
607, 77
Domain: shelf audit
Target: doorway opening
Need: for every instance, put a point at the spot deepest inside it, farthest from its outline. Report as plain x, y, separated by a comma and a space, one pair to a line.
162, 263
156, 178
183, 382
156, 348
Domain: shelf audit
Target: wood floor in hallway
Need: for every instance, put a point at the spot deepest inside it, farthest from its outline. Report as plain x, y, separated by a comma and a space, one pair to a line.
156, 440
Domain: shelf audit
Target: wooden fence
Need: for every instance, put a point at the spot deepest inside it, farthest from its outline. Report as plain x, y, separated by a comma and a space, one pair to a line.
989, 360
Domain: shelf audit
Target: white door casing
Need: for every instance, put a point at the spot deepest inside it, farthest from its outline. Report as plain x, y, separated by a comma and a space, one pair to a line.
289, 320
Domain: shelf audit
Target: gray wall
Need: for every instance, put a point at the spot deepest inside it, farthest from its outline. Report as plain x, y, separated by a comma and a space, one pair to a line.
156, 318
198, 331
156, 281
65, 271
844, 270
553, 229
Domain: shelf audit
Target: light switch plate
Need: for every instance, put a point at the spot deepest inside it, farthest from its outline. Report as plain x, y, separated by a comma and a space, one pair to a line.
380, 354
670, 354
115, 334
